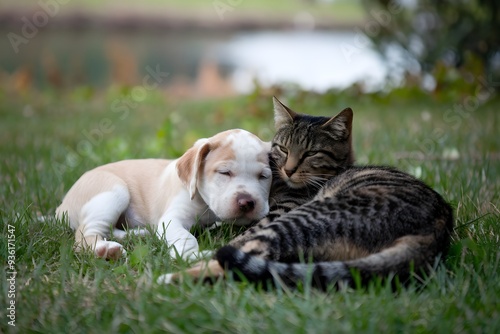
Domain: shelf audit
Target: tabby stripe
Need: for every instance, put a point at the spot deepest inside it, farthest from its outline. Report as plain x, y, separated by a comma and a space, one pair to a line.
292, 233
299, 233
374, 181
265, 239
310, 212
304, 141
273, 216
332, 156
318, 277
295, 200
287, 236
289, 275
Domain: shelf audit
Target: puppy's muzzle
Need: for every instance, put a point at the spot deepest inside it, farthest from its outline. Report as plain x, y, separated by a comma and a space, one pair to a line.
245, 202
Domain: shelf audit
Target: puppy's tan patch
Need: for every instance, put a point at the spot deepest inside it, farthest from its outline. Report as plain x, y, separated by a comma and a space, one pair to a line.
218, 154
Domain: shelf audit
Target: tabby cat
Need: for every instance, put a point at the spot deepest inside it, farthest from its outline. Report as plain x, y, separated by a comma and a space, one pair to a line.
375, 220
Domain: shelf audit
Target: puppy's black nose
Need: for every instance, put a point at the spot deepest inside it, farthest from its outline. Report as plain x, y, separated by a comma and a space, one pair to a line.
245, 202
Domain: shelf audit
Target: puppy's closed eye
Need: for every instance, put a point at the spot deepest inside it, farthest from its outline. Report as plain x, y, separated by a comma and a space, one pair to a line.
224, 172
265, 174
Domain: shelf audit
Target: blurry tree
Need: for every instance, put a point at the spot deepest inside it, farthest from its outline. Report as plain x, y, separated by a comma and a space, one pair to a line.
463, 34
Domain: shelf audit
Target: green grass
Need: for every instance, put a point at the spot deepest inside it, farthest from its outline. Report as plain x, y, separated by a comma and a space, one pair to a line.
43, 150
340, 11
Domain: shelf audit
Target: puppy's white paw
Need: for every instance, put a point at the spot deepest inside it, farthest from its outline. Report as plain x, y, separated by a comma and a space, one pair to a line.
165, 279
214, 226
121, 234
109, 250
140, 231
197, 256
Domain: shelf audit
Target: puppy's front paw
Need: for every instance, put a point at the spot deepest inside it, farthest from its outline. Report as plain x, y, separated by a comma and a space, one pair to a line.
121, 234
165, 279
109, 250
197, 256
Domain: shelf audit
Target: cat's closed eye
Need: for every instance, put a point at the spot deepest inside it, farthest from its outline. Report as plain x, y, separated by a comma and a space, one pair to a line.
283, 149
310, 153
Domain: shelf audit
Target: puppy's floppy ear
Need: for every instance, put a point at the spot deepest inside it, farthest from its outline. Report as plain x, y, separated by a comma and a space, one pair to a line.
189, 165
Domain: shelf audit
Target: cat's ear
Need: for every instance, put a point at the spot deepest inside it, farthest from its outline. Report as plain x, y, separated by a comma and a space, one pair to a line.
342, 123
282, 114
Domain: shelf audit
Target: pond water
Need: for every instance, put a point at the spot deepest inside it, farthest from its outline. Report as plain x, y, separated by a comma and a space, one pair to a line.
208, 63
315, 60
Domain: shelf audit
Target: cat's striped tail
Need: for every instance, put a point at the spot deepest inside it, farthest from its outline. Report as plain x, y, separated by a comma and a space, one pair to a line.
256, 269
323, 274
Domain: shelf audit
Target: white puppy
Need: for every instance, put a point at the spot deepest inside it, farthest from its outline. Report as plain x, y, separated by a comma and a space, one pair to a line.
225, 177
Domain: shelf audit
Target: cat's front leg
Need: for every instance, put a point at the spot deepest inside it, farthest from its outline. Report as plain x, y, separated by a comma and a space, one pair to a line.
211, 270
241, 239
247, 241
204, 270
275, 213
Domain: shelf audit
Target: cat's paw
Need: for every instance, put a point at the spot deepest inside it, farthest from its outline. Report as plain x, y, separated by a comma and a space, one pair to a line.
109, 250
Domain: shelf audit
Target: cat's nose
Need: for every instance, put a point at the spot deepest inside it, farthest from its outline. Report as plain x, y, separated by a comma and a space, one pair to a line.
289, 172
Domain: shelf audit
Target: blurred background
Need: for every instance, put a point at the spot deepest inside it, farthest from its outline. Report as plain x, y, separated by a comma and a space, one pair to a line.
221, 48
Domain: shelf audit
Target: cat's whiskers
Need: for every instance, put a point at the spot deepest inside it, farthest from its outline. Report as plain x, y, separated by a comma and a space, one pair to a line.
315, 181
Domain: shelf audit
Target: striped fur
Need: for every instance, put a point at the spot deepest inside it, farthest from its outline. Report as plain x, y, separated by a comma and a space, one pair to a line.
375, 220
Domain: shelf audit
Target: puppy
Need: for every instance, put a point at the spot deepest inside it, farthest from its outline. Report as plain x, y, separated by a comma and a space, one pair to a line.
226, 177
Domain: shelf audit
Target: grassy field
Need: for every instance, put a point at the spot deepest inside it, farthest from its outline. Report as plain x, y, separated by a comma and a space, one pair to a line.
48, 140
336, 12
